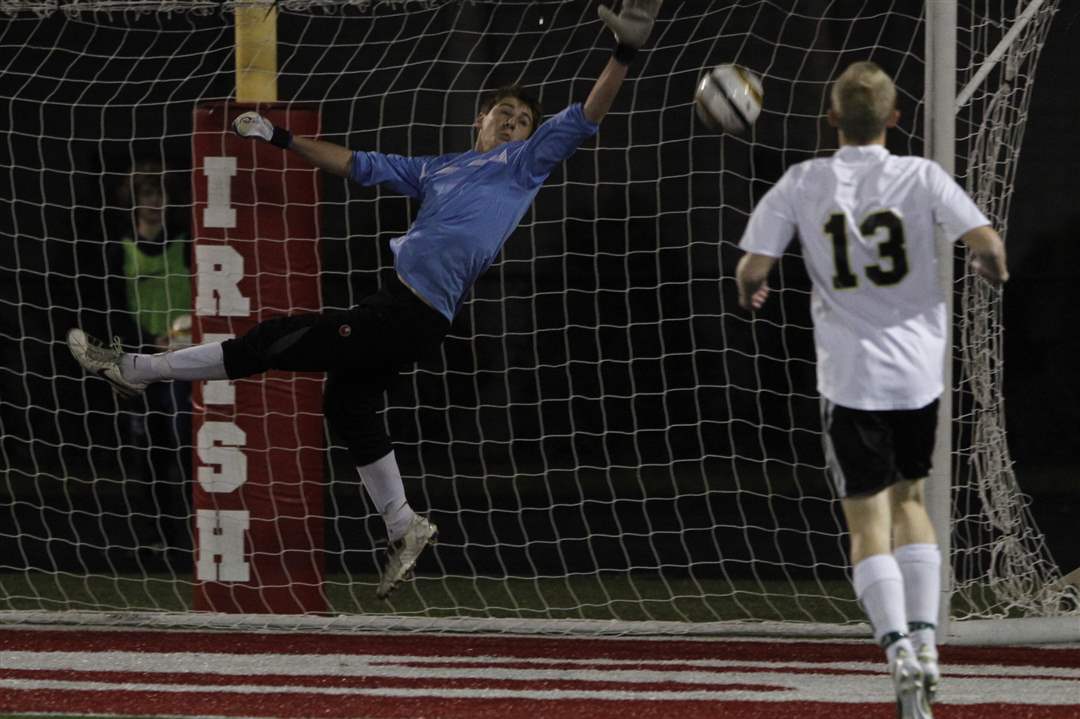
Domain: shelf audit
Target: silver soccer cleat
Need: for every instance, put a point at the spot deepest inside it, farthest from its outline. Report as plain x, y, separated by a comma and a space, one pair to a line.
103, 361
403, 553
911, 702
928, 661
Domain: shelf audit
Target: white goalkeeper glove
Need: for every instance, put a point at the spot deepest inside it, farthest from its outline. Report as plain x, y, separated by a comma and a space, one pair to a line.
252, 124
631, 25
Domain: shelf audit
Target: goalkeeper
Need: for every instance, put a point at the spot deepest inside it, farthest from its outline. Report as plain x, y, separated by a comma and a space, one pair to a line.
470, 203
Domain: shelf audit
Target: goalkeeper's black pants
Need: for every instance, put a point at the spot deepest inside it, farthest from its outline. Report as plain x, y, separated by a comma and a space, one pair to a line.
362, 350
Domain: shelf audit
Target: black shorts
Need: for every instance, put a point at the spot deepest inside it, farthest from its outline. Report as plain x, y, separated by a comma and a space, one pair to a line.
363, 350
385, 332
867, 450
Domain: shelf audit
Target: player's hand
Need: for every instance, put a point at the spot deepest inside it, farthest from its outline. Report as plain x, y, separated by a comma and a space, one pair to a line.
634, 21
252, 124
991, 268
756, 300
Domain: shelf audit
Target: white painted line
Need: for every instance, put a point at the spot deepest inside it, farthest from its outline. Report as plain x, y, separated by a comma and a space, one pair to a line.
829, 689
397, 665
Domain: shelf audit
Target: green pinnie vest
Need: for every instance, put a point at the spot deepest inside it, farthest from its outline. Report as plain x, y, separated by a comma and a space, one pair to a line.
158, 286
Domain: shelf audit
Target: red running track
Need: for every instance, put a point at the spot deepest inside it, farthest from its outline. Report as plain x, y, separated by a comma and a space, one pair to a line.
416, 675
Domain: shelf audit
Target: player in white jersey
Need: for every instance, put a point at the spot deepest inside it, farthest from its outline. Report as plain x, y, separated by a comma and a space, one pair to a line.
867, 220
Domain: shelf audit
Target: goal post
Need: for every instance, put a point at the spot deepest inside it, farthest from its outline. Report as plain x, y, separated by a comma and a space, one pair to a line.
259, 540
940, 146
256, 52
606, 441
258, 531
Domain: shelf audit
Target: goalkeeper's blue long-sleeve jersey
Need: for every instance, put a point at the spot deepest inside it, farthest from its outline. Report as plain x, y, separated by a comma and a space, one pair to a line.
470, 202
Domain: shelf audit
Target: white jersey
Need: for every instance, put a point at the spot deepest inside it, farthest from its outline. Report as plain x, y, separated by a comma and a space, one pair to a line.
866, 221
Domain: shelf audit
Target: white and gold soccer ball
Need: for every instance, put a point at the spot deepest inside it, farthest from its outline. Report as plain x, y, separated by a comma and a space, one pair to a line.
728, 98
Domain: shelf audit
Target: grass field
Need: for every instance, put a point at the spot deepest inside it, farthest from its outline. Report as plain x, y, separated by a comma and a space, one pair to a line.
624, 596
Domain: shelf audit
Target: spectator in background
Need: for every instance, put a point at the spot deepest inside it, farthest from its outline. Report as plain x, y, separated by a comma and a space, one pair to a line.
150, 280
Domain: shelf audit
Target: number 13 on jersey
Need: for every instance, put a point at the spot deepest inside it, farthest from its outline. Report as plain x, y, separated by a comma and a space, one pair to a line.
884, 226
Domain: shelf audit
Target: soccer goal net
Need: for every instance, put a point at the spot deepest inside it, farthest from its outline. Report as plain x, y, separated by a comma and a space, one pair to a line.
605, 441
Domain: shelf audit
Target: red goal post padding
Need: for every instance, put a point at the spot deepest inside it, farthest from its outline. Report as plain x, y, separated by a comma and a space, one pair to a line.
259, 443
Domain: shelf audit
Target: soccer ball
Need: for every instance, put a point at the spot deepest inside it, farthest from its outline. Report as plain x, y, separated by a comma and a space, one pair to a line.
728, 98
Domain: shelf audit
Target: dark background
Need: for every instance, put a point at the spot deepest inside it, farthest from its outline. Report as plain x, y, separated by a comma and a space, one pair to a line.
602, 402
1041, 319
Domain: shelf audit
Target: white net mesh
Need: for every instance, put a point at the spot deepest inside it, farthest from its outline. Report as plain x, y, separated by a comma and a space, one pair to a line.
1001, 561
605, 436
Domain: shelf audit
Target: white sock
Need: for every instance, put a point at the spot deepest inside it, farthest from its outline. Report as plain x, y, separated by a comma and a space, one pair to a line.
879, 587
382, 480
920, 565
191, 363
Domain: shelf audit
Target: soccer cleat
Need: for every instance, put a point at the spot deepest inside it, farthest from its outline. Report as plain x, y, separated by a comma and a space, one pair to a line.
103, 361
928, 661
403, 553
907, 676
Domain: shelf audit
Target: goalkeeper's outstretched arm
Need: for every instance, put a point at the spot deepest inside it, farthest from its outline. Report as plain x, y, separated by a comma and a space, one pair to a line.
631, 25
327, 156
335, 159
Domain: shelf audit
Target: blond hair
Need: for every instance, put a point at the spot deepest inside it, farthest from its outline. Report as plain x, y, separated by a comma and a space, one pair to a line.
863, 100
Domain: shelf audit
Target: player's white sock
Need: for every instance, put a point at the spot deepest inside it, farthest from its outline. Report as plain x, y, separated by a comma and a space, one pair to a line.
382, 480
920, 565
879, 587
191, 363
